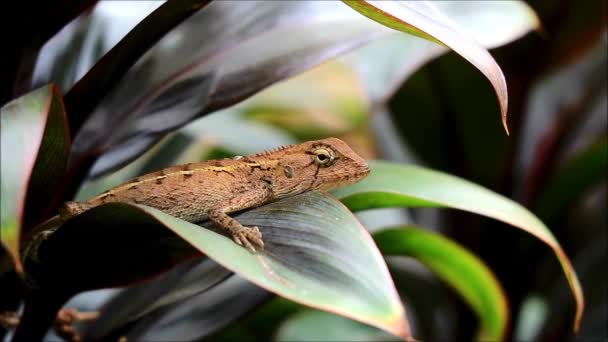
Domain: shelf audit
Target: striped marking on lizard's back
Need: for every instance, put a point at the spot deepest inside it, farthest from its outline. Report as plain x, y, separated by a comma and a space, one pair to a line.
186, 170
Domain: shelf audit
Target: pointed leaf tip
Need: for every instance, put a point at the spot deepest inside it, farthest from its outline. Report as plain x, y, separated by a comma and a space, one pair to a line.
423, 19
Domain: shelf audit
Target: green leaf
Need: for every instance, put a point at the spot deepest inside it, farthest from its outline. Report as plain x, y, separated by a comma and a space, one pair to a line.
583, 170
394, 185
423, 19
316, 253
462, 270
312, 325
385, 63
35, 142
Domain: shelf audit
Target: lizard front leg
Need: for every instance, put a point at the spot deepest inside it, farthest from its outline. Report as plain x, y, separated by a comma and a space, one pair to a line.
242, 235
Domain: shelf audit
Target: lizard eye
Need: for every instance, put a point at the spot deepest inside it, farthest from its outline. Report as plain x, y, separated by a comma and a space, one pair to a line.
324, 157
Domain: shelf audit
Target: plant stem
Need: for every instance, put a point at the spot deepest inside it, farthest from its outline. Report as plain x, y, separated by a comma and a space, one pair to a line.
39, 314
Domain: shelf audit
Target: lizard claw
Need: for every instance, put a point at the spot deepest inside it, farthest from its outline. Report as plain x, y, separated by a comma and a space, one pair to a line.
248, 237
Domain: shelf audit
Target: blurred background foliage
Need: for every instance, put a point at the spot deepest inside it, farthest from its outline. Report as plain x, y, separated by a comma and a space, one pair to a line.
436, 112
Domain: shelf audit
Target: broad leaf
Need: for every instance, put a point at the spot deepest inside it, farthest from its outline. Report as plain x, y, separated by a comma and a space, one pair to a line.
316, 253
35, 144
461, 269
221, 55
232, 131
181, 284
34, 25
393, 185
88, 92
73, 51
423, 19
312, 325
454, 118
103, 259
385, 63
201, 315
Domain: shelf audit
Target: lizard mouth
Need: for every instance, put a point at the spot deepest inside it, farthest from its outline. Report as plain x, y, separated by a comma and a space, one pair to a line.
346, 180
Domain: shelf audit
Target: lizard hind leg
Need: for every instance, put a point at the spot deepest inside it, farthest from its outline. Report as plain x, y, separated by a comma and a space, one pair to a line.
244, 236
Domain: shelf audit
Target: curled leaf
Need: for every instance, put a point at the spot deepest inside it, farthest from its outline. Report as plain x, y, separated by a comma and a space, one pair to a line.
423, 19
394, 185
459, 268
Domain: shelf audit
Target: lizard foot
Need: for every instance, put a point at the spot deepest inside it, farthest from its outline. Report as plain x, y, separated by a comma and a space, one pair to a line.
248, 237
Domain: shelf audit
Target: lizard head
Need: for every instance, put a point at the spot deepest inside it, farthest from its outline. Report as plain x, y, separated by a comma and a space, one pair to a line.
321, 164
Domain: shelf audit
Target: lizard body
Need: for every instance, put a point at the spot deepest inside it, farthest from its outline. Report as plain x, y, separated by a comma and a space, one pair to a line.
212, 189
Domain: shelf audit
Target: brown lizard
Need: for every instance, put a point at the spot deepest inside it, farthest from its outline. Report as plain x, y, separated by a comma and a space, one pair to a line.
213, 189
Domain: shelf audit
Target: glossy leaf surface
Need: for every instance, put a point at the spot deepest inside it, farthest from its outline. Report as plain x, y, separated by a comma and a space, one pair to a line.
393, 185
201, 315
459, 268
385, 63
181, 284
35, 144
204, 65
423, 19
316, 253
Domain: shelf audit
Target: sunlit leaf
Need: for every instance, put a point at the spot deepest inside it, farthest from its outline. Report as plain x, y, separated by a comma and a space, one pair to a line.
35, 144
73, 51
204, 65
461, 269
92, 88
20, 51
394, 185
316, 253
423, 19
385, 63
454, 118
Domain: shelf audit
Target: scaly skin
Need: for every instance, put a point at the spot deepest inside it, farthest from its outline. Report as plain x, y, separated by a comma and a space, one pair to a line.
212, 189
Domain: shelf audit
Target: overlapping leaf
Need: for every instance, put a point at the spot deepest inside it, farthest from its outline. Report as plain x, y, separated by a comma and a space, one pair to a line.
459, 268
204, 65
21, 50
316, 253
311, 325
393, 185
207, 70
201, 315
181, 284
423, 19
386, 62
35, 143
